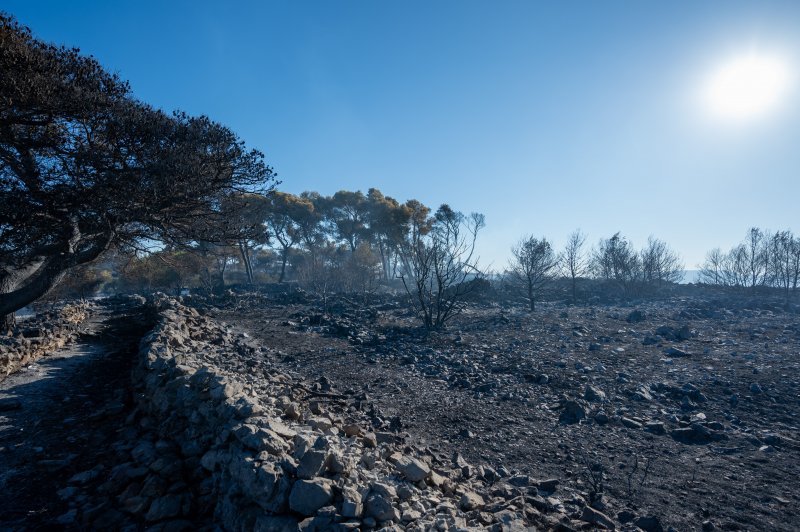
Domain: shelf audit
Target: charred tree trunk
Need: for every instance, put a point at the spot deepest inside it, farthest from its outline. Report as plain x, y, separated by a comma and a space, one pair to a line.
20, 286
384, 259
574, 291
284, 258
248, 266
531, 298
14, 296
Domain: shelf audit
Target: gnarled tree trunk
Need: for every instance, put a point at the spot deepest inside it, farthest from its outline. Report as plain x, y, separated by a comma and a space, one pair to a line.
21, 285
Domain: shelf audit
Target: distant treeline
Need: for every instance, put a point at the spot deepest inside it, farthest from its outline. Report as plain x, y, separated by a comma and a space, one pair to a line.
764, 259
360, 243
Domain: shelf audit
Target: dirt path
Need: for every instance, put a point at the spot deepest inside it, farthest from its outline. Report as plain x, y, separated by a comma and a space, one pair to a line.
59, 416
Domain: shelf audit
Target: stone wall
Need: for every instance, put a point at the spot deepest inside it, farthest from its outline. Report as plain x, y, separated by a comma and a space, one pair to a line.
40, 336
234, 441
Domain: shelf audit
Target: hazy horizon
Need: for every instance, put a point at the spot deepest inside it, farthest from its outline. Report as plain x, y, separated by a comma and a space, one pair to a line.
544, 118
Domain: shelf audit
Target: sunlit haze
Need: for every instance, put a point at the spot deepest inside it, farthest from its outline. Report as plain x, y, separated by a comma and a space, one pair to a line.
673, 119
747, 86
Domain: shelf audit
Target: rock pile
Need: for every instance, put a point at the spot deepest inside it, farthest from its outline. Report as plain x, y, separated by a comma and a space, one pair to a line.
40, 336
219, 435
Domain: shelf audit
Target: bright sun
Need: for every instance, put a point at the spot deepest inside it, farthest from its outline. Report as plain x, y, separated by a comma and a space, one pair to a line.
746, 87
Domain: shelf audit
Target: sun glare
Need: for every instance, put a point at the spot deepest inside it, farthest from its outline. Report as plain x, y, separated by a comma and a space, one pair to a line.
746, 87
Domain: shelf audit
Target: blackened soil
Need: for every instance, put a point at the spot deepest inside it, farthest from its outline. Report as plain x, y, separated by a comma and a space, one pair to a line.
494, 386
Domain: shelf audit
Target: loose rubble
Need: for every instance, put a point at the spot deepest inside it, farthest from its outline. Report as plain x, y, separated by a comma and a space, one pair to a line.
39, 336
221, 435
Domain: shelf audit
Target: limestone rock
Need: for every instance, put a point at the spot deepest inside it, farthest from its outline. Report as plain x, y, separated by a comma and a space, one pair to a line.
311, 464
164, 508
308, 496
572, 413
594, 394
412, 468
352, 504
471, 501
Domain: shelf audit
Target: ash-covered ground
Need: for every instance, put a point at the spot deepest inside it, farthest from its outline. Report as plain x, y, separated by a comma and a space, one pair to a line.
685, 410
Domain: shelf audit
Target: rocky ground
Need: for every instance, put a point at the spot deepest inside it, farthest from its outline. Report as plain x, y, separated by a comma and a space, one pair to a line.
675, 415
678, 414
200, 430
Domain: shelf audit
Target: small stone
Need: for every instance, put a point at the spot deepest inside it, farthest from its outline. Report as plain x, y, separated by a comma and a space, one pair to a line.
281, 429
67, 518
413, 469
352, 429
548, 485
387, 437
636, 316
649, 523
258, 438
209, 460
352, 504
405, 492
311, 464
308, 496
595, 517
594, 394
67, 493
292, 411
675, 352
573, 412
368, 460
135, 505
471, 501
164, 507
369, 440
380, 507
519, 480
86, 476
630, 423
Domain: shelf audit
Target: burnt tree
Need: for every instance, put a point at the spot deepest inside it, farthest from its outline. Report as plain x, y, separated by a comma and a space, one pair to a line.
84, 167
532, 266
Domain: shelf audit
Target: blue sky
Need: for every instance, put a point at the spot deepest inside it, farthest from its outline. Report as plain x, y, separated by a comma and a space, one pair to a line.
545, 117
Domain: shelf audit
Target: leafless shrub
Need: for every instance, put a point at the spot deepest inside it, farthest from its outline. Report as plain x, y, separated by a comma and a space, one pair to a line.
439, 265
